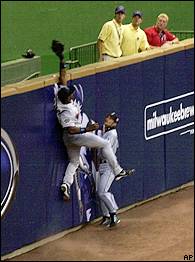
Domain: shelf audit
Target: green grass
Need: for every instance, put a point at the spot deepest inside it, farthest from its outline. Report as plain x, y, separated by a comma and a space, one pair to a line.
33, 24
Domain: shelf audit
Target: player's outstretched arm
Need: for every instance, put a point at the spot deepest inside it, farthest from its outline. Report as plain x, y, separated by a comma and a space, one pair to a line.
58, 48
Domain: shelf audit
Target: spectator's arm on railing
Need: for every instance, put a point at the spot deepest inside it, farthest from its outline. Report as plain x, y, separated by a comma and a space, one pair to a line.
175, 41
169, 43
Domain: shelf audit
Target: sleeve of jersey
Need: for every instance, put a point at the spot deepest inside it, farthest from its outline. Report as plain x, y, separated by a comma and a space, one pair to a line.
66, 119
170, 36
144, 43
105, 32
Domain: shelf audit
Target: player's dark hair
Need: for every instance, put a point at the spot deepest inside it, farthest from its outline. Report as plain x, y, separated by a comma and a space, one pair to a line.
64, 93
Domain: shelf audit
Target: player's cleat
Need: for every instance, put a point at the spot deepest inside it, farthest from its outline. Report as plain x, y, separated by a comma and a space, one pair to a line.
125, 173
114, 221
105, 221
66, 191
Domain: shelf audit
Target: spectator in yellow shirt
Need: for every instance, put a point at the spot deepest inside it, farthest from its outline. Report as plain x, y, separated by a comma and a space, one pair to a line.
134, 38
109, 39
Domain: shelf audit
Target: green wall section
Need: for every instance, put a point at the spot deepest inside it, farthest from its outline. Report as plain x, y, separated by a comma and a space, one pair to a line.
33, 24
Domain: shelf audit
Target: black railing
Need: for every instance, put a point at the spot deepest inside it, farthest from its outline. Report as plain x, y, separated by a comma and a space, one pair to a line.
88, 53
183, 34
83, 54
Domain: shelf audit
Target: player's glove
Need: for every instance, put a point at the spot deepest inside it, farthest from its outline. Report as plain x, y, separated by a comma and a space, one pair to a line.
58, 48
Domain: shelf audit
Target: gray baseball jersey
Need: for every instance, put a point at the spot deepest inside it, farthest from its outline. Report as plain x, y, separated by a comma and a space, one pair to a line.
112, 136
69, 114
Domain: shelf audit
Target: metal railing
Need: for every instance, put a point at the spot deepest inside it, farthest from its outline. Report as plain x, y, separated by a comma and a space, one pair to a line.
83, 54
88, 53
181, 35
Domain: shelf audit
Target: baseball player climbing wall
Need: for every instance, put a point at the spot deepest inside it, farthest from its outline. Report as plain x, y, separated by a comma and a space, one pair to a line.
84, 176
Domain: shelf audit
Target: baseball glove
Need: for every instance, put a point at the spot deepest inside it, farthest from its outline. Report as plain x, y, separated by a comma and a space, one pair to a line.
58, 48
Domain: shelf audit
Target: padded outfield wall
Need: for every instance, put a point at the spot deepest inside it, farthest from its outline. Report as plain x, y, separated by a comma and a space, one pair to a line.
153, 94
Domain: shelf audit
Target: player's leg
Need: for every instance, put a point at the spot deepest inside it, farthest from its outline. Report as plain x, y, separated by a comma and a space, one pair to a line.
105, 214
91, 140
114, 219
114, 202
106, 180
104, 210
73, 154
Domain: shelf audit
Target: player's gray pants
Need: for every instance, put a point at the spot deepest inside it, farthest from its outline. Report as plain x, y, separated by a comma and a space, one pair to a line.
107, 201
73, 144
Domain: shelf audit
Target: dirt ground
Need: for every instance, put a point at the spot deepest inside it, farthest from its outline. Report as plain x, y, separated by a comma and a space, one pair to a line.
159, 230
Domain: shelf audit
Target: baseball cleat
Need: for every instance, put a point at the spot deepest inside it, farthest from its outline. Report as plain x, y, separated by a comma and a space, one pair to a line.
66, 191
114, 221
105, 221
125, 173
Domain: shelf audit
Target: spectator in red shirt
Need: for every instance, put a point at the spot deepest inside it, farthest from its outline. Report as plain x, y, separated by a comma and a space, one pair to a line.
158, 35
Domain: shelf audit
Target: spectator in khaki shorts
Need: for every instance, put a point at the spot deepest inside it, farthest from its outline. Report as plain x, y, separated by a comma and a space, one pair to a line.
110, 36
158, 35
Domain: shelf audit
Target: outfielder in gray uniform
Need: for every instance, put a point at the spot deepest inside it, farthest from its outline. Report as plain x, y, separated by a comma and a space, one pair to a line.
107, 200
75, 136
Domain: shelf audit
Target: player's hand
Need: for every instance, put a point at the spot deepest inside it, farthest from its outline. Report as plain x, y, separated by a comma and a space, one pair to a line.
92, 127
